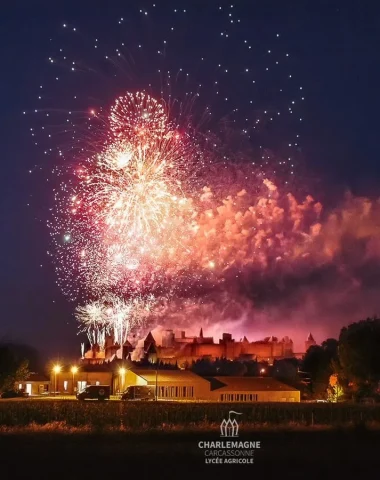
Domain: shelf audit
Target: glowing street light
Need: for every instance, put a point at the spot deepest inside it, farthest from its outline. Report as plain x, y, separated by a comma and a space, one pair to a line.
74, 371
122, 378
56, 370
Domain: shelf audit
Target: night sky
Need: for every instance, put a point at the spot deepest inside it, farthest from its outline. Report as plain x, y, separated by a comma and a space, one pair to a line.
334, 53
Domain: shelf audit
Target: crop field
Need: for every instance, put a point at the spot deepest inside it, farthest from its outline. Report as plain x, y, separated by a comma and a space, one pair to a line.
137, 416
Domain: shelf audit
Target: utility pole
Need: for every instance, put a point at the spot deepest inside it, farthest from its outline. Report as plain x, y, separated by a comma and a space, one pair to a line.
156, 379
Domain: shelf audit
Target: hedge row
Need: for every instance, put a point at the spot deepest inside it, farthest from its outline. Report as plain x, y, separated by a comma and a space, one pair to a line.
153, 415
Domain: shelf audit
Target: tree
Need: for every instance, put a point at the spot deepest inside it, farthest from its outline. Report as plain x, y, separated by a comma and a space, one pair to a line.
13, 368
286, 370
319, 363
359, 352
204, 367
335, 389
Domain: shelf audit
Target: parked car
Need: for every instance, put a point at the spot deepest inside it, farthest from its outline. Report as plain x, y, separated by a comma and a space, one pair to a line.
95, 392
13, 394
139, 392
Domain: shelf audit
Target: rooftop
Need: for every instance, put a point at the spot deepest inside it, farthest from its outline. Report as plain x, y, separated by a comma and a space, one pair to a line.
253, 384
37, 377
177, 376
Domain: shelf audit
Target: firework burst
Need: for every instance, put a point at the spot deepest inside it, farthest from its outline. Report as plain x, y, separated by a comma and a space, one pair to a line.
113, 316
128, 207
93, 322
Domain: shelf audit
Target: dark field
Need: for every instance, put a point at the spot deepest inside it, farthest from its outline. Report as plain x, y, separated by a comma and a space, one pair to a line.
302, 454
91, 440
137, 416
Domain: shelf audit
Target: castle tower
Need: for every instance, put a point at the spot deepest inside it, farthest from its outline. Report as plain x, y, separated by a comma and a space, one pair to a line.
309, 342
149, 340
287, 347
168, 338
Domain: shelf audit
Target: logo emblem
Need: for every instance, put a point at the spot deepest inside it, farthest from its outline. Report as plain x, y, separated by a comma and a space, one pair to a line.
230, 427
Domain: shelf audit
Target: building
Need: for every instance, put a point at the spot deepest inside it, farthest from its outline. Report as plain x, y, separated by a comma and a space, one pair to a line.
169, 384
309, 342
177, 348
69, 380
35, 384
184, 350
187, 386
252, 389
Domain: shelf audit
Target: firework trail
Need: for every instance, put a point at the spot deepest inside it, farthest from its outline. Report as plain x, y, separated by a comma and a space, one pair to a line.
93, 322
113, 316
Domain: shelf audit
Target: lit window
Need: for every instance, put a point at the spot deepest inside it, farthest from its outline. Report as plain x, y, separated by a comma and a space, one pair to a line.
97, 383
82, 385
65, 384
20, 386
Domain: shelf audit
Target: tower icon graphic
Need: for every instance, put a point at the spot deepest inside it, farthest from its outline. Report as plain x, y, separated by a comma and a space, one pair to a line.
230, 427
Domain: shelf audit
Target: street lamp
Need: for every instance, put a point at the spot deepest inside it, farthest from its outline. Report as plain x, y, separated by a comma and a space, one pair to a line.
74, 371
122, 376
56, 370
262, 371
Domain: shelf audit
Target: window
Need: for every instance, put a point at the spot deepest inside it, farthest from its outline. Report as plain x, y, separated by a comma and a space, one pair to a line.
184, 391
97, 383
252, 397
222, 397
82, 385
65, 384
20, 386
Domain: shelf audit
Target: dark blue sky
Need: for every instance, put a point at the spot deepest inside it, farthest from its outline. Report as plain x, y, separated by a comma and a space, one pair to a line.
334, 49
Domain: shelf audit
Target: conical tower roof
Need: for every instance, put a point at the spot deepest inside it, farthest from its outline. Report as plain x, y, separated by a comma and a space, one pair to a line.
149, 338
